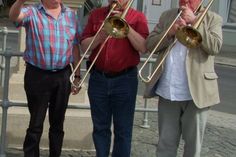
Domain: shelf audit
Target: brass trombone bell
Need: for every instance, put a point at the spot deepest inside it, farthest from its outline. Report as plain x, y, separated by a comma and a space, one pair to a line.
189, 36
116, 26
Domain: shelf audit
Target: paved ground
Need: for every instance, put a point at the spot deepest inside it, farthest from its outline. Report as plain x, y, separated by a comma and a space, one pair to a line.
219, 141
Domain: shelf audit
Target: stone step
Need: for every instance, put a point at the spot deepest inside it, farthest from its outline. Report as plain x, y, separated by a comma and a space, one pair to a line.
77, 127
16, 91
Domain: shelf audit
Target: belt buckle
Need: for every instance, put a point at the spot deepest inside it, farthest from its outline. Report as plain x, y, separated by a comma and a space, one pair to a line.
54, 70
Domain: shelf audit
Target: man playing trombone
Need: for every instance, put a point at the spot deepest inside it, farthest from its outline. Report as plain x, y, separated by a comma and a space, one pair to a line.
113, 81
186, 82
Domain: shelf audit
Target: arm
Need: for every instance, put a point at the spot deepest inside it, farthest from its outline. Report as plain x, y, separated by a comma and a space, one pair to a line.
211, 31
102, 35
138, 33
158, 32
15, 13
137, 41
76, 56
90, 30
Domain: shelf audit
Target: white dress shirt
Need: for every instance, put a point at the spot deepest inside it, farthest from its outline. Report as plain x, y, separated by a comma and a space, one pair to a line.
173, 83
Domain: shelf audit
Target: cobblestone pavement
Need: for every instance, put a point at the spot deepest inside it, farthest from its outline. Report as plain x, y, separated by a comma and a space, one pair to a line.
219, 141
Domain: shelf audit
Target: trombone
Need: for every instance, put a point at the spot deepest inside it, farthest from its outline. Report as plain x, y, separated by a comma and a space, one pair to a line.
115, 26
187, 35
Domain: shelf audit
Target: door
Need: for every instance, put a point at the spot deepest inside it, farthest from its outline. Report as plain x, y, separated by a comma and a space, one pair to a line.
153, 9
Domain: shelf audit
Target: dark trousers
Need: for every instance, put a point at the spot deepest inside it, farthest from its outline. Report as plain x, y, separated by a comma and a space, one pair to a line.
46, 89
113, 98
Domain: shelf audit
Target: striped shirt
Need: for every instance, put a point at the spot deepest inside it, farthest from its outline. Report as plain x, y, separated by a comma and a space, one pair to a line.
49, 41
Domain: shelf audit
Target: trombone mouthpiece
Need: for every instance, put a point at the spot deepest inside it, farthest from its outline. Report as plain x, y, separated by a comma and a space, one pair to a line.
116, 4
115, 1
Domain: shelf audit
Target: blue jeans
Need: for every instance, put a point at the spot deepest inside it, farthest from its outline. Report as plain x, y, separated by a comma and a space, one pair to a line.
113, 99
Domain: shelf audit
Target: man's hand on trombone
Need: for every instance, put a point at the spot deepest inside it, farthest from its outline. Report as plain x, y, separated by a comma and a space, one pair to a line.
178, 24
74, 89
188, 15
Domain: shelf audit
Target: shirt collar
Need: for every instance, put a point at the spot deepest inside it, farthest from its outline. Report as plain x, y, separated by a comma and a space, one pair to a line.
41, 6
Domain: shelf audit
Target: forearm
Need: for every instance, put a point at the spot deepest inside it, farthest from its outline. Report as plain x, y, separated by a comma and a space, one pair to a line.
86, 42
155, 38
76, 56
137, 41
159, 38
212, 37
15, 11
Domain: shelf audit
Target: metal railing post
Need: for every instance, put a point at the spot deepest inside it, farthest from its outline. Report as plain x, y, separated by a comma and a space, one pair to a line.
145, 119
5, 104
4, 45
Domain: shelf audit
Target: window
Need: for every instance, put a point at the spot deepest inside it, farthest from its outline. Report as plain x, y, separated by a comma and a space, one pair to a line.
89, 5
232, 12
227, 10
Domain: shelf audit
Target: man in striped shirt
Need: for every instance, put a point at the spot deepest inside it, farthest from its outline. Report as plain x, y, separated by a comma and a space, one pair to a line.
52, 34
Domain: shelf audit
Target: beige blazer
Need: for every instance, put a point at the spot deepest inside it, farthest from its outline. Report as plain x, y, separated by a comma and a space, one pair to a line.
201, 75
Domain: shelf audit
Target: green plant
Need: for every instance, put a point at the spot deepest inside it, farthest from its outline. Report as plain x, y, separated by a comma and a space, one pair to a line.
89, 5
8, 3
4, 8
98, 3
